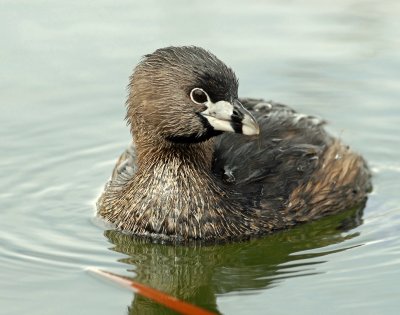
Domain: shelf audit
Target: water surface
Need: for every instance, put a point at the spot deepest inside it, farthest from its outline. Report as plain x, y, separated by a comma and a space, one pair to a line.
62, 89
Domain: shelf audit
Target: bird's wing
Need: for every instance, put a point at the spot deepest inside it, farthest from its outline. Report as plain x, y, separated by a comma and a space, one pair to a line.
271, 165
125, 167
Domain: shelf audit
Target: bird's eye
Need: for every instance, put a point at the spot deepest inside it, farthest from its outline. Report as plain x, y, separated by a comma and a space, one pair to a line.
199, 96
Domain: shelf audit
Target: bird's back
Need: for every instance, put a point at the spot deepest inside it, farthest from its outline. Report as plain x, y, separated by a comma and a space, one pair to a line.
293, 166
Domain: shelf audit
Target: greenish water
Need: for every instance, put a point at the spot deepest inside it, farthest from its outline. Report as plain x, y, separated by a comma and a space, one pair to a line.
64, 68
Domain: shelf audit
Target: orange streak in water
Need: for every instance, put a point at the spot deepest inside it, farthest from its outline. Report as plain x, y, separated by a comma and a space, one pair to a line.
153, 294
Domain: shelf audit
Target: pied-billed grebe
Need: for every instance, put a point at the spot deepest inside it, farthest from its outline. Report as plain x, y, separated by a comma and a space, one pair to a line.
192, 173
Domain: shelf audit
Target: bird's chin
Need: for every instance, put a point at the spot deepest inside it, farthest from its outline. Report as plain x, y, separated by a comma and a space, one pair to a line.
194, 137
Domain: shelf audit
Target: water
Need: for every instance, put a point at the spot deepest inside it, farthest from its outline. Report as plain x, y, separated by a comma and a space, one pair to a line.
64, 66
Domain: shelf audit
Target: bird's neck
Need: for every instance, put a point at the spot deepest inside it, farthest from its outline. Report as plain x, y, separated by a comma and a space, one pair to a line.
178, 177
172, 156
175, 193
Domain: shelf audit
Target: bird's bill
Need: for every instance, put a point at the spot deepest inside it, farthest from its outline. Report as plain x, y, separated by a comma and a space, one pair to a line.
231, 117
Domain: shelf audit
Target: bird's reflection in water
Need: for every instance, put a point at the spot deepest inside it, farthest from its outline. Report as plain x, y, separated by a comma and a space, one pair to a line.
197, 273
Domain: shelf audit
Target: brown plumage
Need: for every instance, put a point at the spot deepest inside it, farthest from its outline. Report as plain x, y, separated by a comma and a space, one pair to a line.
191, 174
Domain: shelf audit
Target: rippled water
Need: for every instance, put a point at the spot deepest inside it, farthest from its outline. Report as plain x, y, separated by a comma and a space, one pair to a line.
64, 67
